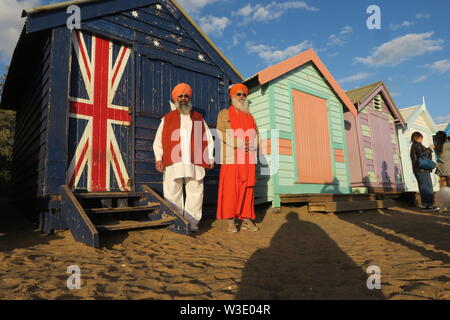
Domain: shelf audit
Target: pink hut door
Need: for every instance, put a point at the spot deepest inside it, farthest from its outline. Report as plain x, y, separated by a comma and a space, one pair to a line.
382, 149
313, 139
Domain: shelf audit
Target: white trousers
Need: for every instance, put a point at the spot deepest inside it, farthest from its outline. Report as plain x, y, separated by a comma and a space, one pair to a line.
192, 207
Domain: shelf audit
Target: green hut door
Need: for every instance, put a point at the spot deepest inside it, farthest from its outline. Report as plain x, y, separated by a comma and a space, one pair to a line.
312, 135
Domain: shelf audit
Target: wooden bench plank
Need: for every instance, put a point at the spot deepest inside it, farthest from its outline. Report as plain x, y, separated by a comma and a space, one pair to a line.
345, 206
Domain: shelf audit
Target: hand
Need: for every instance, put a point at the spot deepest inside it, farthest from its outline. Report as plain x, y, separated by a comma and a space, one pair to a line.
160, 166
432, 147
210, 167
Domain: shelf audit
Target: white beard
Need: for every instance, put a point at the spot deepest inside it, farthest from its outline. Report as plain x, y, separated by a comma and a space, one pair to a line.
243, 106
184, 108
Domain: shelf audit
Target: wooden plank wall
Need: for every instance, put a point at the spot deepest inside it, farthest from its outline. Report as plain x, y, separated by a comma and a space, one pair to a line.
260, 109
309, 77
31, 145
166, 54
369, 151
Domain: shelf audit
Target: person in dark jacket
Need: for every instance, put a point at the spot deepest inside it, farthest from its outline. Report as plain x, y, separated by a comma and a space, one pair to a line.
423, 176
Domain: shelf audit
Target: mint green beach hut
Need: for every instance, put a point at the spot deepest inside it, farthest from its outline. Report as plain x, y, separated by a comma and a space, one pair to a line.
299, 110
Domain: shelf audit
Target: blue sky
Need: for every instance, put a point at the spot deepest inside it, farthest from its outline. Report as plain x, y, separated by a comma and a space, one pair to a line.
410, 53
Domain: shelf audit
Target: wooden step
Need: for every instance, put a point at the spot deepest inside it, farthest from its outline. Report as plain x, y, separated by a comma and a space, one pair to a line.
345, 206
109, 195
119, 210
131, 225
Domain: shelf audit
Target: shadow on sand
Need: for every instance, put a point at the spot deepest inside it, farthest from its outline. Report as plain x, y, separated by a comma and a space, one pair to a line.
393, 225
303, 262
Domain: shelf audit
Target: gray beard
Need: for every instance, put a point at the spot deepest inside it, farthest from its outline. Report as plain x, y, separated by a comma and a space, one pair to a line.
184, 108
243, 106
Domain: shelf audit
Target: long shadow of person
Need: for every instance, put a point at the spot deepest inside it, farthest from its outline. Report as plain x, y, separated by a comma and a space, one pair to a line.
432, 230
303, 262
386, 177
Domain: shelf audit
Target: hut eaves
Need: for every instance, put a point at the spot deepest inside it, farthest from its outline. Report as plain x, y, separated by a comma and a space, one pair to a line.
290, 64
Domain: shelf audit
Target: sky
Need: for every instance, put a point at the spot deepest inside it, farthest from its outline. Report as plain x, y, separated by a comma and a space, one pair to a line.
410, 52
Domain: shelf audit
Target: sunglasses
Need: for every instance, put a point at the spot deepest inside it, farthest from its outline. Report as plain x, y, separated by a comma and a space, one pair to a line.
183, 96
241, 95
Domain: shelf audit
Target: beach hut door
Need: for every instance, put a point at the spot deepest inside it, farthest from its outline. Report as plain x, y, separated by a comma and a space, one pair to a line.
100, 101
382, 149
312, 136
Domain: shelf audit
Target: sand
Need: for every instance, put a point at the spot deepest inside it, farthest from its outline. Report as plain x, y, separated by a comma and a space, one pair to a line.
296, 255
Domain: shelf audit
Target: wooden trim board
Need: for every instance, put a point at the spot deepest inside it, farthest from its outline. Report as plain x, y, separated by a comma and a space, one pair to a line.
345, 206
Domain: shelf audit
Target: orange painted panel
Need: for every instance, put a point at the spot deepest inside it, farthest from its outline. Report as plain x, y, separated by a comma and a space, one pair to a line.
284, 143
285, 147
266, 147
339, 155
314, 159
285, 151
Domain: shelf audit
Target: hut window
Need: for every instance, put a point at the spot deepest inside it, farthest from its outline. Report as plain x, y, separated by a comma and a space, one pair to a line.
378, 104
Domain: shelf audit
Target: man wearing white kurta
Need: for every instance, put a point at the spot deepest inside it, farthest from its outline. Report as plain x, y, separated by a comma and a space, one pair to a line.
184, 148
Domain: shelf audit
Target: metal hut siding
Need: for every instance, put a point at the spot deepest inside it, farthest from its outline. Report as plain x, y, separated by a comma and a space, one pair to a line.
119, 68
373, 141
299, 110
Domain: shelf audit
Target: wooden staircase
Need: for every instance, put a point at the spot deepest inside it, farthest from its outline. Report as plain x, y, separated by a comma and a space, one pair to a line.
88, 215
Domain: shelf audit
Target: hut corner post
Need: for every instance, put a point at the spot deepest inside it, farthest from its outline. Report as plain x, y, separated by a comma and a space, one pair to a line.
181, 225
77, 220
50, 217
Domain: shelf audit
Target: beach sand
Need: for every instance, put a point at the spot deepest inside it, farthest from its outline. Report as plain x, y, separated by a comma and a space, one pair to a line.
296, 255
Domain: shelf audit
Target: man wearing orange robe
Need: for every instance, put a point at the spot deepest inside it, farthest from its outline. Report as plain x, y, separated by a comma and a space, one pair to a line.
238, 132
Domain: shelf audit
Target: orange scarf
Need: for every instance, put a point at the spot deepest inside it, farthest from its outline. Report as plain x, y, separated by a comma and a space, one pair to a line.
240, 123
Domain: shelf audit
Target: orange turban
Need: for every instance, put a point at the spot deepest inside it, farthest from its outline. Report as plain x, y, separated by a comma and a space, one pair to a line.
181, 89
238, 87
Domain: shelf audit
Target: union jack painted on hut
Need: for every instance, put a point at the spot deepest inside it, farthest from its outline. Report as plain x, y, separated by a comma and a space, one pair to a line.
97, 151
89, 102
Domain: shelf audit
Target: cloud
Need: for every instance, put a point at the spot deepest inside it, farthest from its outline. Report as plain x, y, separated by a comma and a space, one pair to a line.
11, 25
271, 54
271, 11
355, 77
407, 24
195, 5
399, 50
341, 38
442, 66
421, 79
443, 119
214, 25
236, 39
404, 24
423, 16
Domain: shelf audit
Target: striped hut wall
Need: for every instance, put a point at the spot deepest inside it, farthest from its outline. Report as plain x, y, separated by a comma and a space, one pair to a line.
259, 107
